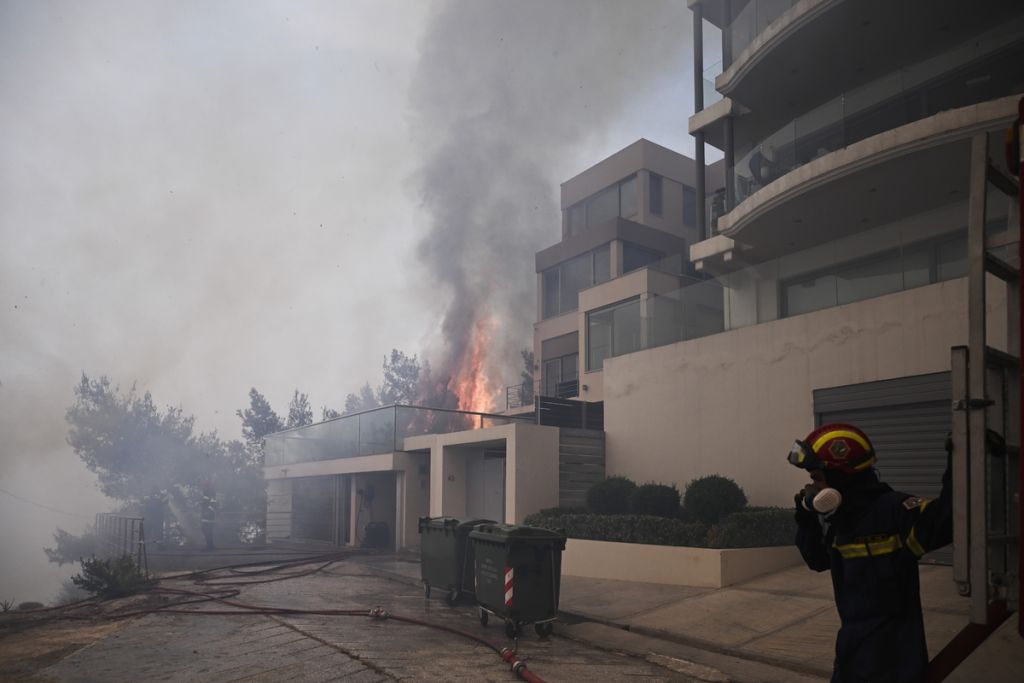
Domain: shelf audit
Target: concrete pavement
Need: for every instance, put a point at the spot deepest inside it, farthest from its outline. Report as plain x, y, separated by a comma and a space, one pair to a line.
221, 648
777, 627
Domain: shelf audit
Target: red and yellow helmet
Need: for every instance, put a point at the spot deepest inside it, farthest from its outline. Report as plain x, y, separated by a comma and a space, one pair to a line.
834, 446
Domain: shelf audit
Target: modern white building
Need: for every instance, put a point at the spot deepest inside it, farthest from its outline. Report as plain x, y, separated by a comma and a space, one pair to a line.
837, 247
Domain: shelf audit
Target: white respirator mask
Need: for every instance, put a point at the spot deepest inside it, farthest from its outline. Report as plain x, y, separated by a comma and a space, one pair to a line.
824, 502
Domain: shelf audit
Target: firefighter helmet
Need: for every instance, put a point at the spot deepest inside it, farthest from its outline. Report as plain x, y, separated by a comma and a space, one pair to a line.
834, 446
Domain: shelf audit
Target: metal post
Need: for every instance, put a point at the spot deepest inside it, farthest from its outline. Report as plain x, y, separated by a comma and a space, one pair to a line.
698, 105
726, 34
730, 164
976, 379
961, 479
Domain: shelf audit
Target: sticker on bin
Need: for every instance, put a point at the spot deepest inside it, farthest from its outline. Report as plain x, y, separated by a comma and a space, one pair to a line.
508, 586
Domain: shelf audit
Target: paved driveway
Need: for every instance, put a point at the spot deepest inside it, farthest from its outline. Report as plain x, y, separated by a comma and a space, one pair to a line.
170, 647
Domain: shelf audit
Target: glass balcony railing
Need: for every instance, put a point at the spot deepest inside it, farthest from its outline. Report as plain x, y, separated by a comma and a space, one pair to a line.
968, 74
710, 74
751, 21
373, 432
871, 263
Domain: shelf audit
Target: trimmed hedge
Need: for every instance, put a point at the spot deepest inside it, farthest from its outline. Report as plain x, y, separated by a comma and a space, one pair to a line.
655, 499
754, 529
624, 528
714, 497
611, 496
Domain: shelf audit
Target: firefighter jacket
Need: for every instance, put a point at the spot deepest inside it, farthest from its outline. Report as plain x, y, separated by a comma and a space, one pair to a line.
208, 509
871, 545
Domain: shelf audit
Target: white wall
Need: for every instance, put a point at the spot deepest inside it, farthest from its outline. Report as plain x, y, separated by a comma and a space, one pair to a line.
279, 509
531, 467
732, 403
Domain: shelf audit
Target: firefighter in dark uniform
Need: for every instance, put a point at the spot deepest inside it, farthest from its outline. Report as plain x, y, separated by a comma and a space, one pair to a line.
208, 515
871, 538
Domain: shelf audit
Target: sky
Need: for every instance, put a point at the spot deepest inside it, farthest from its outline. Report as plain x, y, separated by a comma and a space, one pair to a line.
202, 197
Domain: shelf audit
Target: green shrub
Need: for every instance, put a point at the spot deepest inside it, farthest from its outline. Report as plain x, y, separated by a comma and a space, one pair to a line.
559, 511
709, 499
611, 496
30, 606
655, 499
113, 578
754, 528
624, 528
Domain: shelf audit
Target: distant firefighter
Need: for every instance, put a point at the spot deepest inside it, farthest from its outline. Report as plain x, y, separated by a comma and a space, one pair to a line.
208, 514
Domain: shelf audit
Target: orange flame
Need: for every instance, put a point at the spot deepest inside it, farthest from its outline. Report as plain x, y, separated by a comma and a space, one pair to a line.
471, 384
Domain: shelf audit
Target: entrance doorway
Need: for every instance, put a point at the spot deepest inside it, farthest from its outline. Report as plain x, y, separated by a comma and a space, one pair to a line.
485, 485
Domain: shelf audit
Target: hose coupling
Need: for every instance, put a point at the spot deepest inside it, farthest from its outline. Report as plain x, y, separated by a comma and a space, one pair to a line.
379, 613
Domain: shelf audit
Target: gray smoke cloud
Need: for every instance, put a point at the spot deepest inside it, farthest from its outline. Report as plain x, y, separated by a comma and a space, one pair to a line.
504, 97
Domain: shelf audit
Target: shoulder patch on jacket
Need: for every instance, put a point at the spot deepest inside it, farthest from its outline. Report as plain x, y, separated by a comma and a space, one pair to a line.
913, 502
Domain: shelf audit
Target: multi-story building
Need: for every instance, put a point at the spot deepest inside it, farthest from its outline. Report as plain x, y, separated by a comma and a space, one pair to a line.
838, 244
627, 225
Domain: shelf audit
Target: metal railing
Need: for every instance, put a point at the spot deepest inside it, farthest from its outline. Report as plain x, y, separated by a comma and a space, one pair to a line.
372, 432
519, 395
120, 536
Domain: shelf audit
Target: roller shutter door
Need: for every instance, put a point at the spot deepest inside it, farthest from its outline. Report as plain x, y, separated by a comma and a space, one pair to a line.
907, 420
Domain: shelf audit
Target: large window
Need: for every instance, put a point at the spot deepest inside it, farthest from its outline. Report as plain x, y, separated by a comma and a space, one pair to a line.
620, 199
884, 273
612, 331
635, 256
655, 197
689, 206
562, 283
561, 376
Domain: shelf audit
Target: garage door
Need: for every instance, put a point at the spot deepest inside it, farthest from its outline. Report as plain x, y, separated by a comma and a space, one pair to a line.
907, 420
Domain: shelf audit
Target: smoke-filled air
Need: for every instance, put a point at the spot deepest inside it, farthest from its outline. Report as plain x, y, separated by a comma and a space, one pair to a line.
505, 95
220, 220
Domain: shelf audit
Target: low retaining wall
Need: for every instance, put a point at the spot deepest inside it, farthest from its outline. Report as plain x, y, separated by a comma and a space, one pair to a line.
705, 567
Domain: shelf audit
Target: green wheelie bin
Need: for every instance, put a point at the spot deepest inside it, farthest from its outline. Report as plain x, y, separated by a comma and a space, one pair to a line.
446, 556
518, 574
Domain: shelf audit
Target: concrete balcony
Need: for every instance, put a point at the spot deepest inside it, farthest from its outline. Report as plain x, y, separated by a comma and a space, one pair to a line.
901, 172
786, 56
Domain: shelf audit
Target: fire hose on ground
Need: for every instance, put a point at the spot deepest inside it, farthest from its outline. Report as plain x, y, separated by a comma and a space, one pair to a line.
248, 572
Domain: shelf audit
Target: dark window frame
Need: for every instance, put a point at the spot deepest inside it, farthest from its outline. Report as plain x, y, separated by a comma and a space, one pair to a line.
610, 308
931, 245
656, 196
585, 203
558, 270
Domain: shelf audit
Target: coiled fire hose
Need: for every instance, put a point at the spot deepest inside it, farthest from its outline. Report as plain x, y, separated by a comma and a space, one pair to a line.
221, 594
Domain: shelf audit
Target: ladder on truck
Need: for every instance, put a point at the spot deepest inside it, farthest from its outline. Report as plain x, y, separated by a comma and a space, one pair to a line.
986, 396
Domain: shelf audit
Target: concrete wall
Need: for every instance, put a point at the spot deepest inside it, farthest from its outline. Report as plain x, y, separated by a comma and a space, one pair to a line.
531, 467
413, 497
279, 509
705, 567
732, 403
531, 471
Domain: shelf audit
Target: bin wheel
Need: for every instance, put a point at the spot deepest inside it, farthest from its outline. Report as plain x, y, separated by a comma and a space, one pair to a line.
426, 589
511, 629
544, 630
483, 617
453, 596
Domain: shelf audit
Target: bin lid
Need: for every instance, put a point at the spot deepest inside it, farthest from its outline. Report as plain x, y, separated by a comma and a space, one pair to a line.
512, 533
438, 522
475, 522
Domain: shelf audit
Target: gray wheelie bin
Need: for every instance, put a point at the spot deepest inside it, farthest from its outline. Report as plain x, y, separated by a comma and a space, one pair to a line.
518, 574
446, 557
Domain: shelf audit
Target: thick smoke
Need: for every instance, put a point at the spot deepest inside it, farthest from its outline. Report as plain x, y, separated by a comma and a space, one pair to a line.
504, 97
